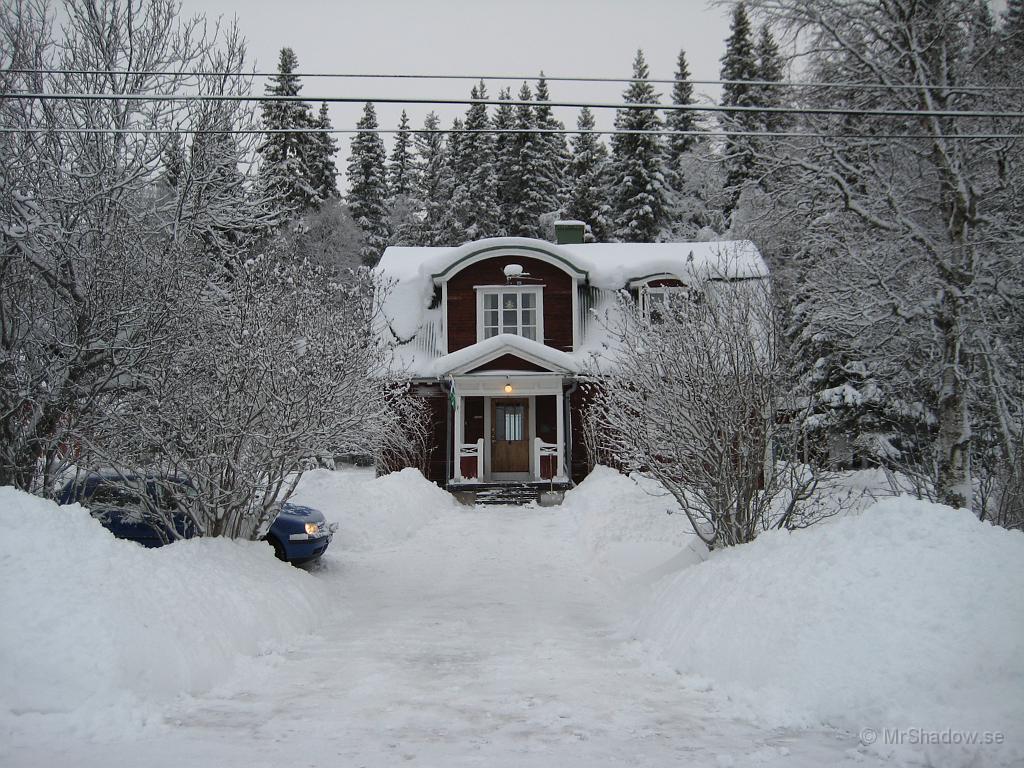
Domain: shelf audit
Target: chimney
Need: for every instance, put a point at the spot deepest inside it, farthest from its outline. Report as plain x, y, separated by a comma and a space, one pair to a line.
570, 232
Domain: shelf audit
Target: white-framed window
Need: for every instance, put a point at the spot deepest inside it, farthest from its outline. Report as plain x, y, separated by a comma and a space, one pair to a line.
655, 301
510, 309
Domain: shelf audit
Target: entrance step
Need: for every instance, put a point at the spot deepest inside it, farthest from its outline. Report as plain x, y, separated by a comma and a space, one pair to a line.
509, 494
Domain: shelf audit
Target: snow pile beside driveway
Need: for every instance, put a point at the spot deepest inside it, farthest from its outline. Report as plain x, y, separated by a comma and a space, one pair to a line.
96, 629
626, 528
372, 513
908, 615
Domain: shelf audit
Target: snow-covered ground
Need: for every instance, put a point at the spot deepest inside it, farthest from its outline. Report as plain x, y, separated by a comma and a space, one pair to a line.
597, 633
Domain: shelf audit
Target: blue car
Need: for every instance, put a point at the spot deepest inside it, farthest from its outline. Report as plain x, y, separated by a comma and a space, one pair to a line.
298, 535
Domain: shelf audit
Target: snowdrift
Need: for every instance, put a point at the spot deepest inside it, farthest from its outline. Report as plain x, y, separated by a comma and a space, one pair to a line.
372, 513
631, 529
908, 615
96, 629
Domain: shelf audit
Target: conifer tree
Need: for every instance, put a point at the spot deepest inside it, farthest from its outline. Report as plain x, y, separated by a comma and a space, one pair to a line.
284, 173
739, 66
367, 184
173, 161
588, 196
474, 202
770, 70
639, 194
450, 230
431, 182
553, 151
401, 168
505, 158
681, 122
1013, 30
322, 168
529, 201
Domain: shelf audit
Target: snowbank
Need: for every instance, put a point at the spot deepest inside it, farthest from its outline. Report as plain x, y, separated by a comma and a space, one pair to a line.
908, 615
372, 513
626, 529
96, 629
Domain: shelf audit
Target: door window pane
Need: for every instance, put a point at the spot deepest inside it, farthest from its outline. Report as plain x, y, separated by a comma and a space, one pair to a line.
509, 420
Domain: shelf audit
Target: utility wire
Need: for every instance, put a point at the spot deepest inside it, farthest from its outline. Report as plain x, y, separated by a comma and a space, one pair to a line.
207, 97
181, 131
656, 81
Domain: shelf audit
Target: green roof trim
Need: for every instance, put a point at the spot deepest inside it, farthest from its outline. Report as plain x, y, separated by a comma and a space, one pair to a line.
473, 254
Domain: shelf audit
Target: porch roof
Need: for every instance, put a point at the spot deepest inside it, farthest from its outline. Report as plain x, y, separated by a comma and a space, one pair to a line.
469, 358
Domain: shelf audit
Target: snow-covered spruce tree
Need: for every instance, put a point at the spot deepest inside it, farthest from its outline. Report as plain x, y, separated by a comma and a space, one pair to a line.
553, 152
690, 401
404, 214
638, 188
920, 229
474, 202
91, 238
769, 70
681, 122
689, 167
323, 171
285, 172
401, 170
739, 66
528, 203
506, 158
1013, 27
432, 182
588, 174
450, 230
367, 187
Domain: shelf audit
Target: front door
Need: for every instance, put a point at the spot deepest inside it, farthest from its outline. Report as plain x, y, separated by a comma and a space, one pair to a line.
510, 436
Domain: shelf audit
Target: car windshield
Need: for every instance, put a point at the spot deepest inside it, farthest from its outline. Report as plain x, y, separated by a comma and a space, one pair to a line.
111, 496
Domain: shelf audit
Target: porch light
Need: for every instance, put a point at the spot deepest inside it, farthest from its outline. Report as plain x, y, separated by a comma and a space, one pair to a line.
508, 386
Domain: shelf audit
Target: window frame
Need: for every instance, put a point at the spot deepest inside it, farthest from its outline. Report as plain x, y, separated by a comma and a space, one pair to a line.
667, 291
537, 291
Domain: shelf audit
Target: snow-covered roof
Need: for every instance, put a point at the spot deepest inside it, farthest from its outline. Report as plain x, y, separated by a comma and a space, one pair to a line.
408, 277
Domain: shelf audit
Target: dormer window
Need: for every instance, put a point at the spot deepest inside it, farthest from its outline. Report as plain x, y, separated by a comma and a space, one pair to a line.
656, 301
510, 309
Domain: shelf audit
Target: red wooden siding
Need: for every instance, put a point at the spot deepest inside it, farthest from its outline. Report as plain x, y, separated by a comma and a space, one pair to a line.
509, 363
557, 299
473, 425
546, 415
580, 463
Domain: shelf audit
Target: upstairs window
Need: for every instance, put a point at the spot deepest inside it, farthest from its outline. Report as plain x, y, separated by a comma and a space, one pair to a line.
656, 302
516, 310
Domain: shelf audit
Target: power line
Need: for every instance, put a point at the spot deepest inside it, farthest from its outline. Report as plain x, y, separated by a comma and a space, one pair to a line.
568, 131
489, 78
206, 97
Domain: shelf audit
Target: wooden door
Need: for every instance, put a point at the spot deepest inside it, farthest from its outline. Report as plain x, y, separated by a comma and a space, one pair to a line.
510, 435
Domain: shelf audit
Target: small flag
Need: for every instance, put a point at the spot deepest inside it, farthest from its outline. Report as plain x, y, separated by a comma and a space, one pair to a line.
451, 392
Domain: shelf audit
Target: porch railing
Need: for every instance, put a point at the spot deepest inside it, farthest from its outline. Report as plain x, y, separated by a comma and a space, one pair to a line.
547, 458
471, 451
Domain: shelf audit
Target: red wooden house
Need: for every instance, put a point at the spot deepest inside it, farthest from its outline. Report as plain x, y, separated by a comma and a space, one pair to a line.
495, 333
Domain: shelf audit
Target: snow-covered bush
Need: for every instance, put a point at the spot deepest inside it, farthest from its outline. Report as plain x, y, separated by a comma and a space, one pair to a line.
692, 400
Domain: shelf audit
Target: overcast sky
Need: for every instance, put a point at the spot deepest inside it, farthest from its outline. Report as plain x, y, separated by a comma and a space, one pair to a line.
475, 37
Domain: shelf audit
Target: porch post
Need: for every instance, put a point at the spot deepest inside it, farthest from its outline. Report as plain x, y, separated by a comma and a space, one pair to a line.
560, 431
460, 427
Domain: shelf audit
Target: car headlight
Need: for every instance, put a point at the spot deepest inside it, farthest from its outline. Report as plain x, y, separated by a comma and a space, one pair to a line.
312, 529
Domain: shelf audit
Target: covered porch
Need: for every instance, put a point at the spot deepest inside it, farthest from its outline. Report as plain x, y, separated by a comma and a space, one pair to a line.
509, 427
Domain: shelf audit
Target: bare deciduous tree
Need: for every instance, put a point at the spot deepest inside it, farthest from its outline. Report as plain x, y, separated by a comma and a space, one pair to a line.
693, 399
